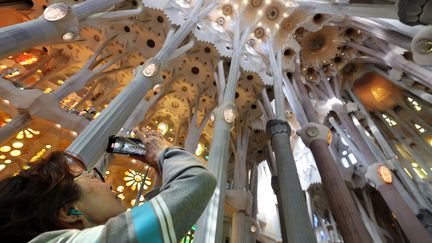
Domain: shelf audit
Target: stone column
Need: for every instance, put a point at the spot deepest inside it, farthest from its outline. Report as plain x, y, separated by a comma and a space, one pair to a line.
292, 202
209, 226
239, 227
20, 37
346, 214
380, 177
276, 190
348, 218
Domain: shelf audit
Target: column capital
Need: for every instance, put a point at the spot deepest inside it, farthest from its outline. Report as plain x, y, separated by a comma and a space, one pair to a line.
276, 126
313, 131
227, 112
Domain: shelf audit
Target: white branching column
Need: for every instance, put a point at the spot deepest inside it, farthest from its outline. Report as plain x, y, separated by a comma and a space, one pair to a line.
58, 22
91, 143
210, 224
195, 129
239, 197
292, 202
89, 72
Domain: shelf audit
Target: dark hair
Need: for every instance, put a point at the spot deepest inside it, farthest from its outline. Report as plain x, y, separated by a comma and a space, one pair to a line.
30, 202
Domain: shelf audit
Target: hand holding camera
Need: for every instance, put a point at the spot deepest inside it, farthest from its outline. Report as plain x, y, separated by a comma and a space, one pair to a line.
154, 144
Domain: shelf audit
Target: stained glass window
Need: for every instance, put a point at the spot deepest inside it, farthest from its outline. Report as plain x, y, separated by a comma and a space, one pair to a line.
189, 238
414, 103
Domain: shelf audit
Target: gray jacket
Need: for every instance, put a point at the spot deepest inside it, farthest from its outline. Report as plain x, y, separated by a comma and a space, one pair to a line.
186, 188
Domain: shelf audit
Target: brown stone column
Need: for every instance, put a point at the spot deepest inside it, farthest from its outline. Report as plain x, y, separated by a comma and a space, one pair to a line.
345, 212
413, 229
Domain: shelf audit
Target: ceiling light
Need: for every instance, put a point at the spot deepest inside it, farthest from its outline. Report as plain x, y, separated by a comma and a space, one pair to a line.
56, 11
8, 161
5, 149
48, 146
69, 36
2, 156
17, 145
2, 166
157, 87
15, 153
162, 128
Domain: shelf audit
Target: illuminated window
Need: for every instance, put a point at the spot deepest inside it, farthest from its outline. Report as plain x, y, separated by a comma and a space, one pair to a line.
389, 121
200, 149
345, 162
379, 93
414, 103
409, 174
419, 128
134, 179
352, 158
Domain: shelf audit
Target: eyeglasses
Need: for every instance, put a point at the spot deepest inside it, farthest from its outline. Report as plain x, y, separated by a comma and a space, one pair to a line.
94, 174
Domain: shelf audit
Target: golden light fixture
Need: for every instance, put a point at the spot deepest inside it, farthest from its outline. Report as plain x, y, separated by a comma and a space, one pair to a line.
385, 174
8, 161
15, 153
2, 166
17, 145
5, 149
2, 156
120, 188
